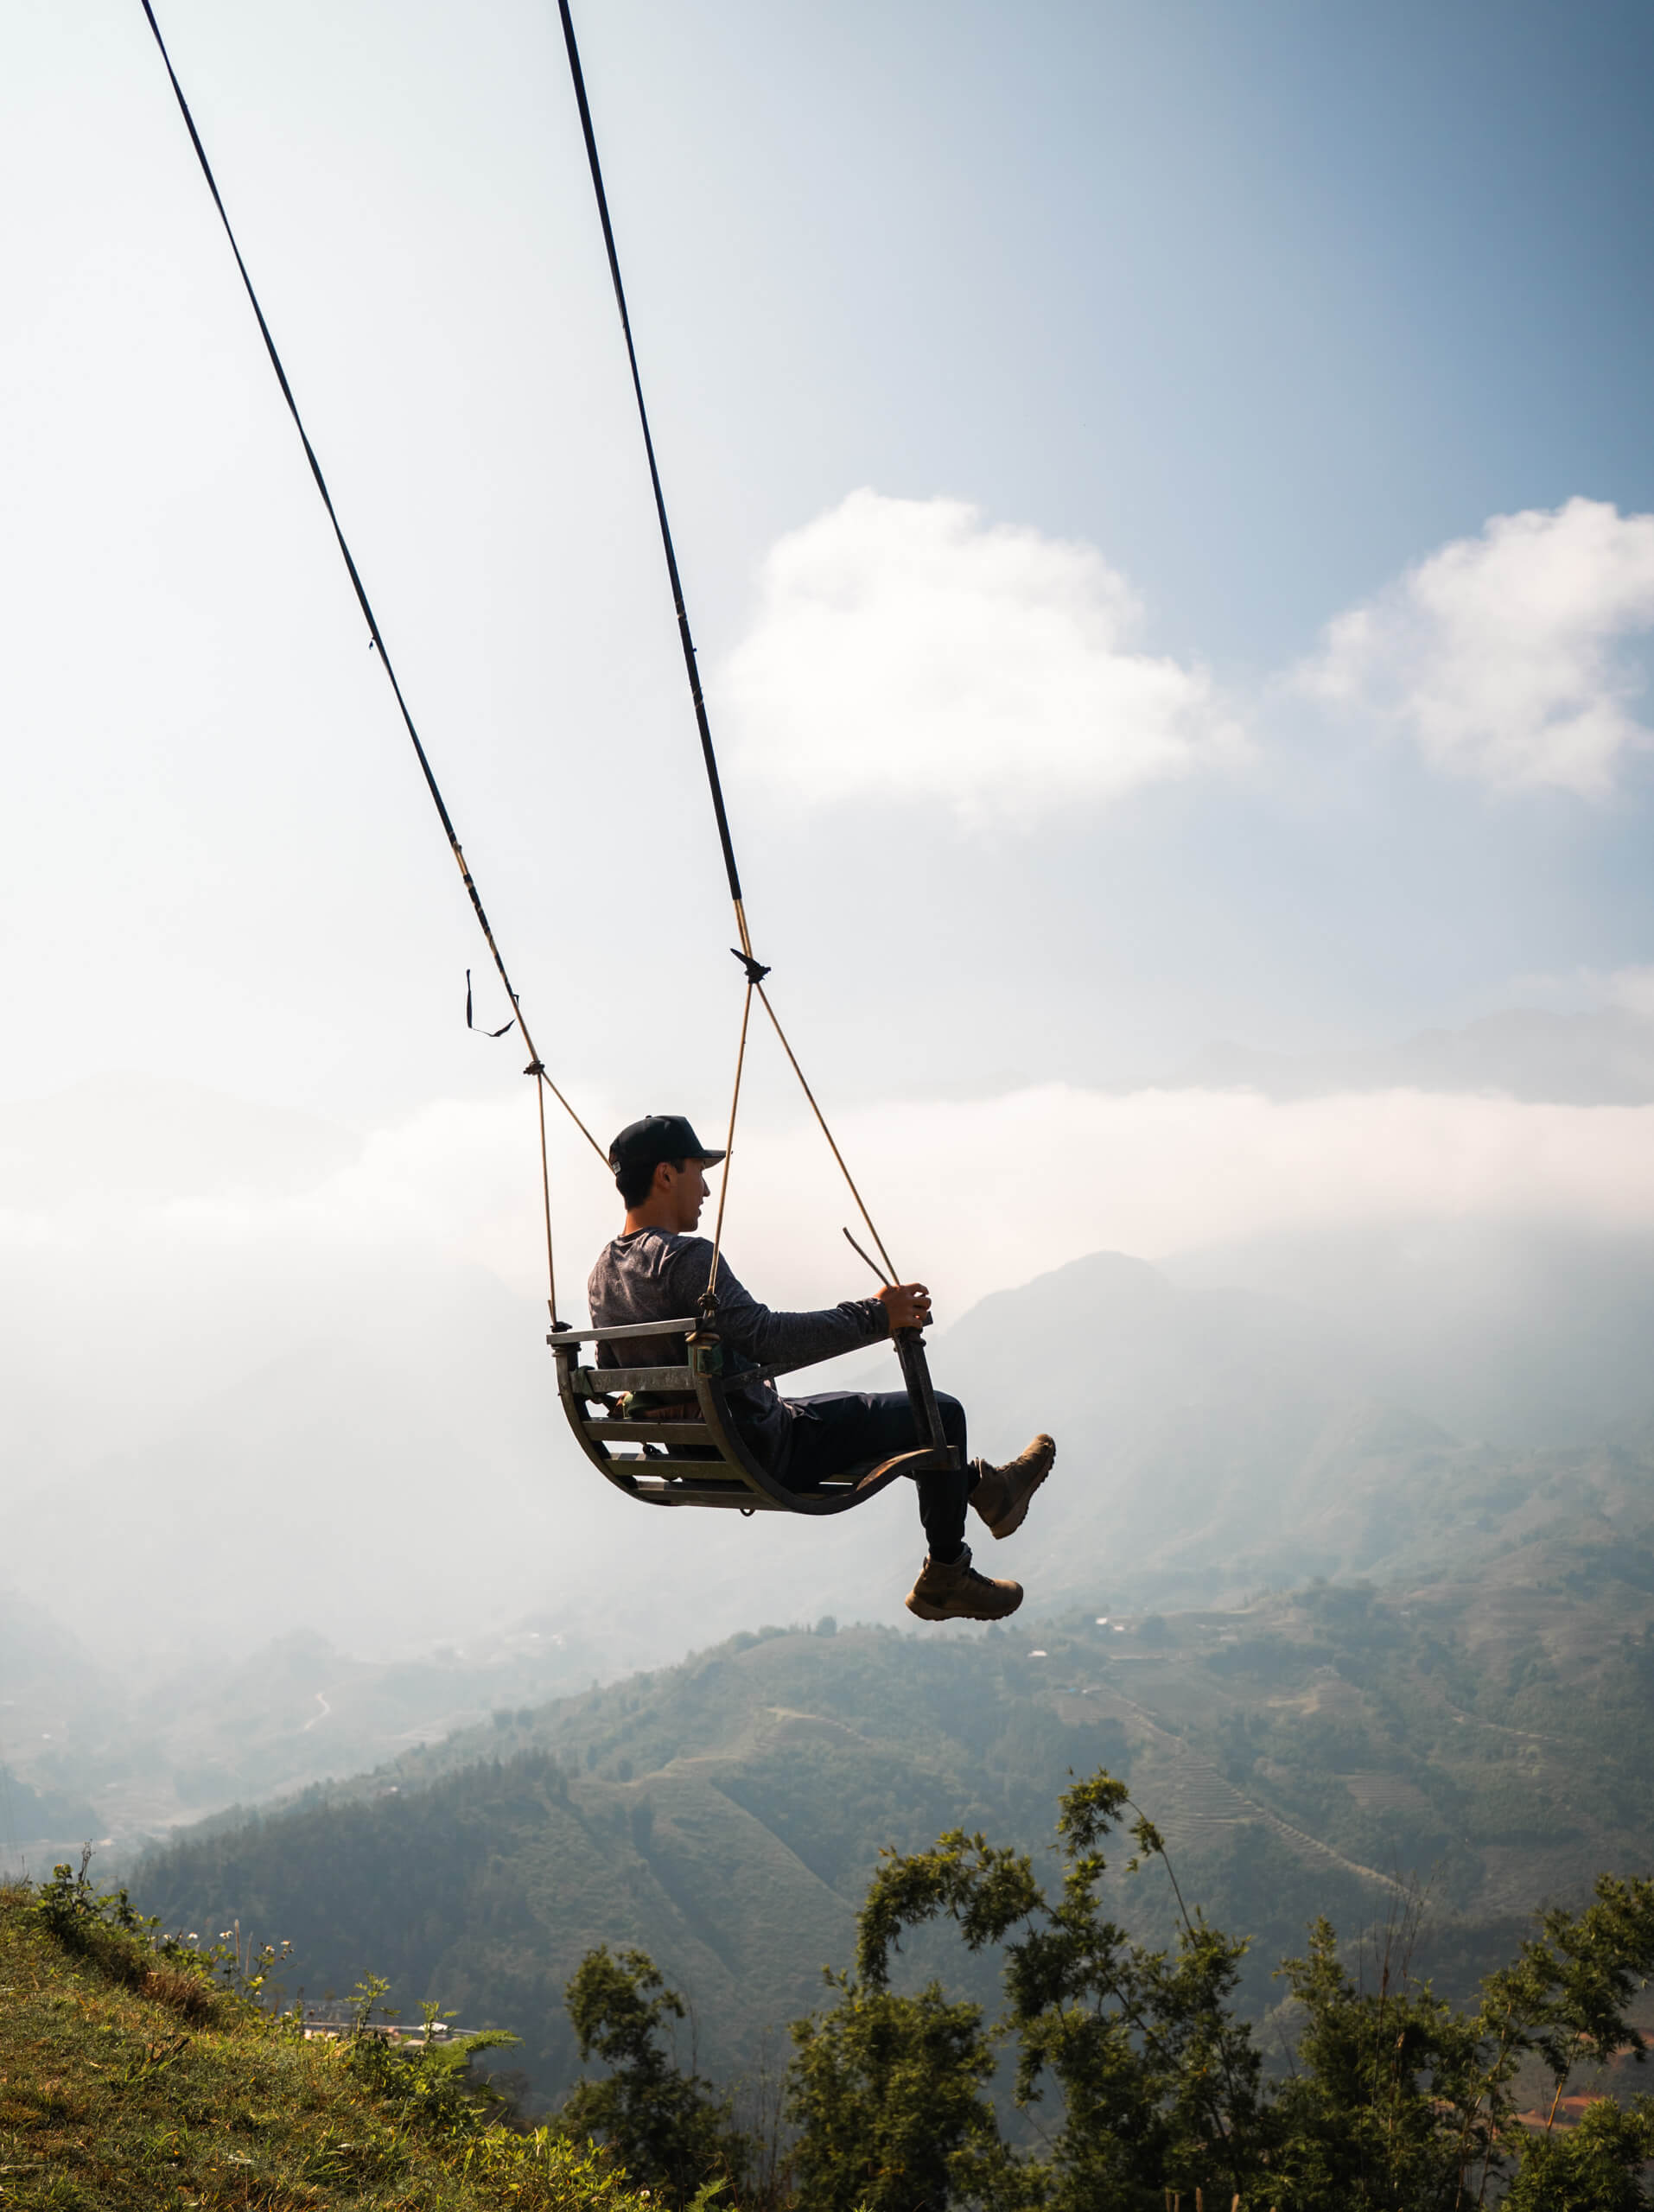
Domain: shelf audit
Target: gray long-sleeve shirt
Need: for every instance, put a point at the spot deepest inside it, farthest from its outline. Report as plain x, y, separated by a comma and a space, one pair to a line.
654, 1274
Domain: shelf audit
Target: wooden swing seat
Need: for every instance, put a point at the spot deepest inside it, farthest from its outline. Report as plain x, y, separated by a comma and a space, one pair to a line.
651, 1460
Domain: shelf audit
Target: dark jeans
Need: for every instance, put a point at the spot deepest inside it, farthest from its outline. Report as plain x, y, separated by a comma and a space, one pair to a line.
840, 1429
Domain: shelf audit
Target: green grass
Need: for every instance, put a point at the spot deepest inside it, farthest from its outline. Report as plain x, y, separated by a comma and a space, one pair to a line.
129, 2078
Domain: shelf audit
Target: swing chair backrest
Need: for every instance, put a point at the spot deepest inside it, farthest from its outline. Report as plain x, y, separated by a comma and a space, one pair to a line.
649, 1458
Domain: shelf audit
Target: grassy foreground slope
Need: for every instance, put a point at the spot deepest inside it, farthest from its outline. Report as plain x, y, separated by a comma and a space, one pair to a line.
129, 2081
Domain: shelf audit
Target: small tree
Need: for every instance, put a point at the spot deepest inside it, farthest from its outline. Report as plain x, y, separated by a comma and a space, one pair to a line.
1160, 2083
1398, 2101
672, 2131
1590, 2168
886, 2092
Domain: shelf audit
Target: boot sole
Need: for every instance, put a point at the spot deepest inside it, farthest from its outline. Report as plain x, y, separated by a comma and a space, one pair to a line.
928, 1610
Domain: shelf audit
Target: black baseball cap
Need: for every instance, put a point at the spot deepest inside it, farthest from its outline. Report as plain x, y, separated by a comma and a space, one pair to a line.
658, 1137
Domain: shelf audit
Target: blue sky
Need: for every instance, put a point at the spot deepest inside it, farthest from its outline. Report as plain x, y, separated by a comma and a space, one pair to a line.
1262, 304
1266, 300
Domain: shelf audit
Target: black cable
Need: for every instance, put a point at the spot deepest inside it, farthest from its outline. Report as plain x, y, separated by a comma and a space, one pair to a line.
755, 968
327, 501
700, 722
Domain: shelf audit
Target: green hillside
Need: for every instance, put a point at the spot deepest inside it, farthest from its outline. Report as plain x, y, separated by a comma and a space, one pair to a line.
1301, 1754
132, 2075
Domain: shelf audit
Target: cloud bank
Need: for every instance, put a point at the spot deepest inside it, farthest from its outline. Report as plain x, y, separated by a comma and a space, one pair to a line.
904, 648
327, 1392
1503, 656
974, 1195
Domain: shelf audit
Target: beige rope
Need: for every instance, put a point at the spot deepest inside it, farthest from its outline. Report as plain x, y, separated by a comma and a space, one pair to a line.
546, 1195
827, 1133
567, 1107
536, 1067
729, 1141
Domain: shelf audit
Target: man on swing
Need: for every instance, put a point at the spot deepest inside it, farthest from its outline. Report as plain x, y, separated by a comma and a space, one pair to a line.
656, 1269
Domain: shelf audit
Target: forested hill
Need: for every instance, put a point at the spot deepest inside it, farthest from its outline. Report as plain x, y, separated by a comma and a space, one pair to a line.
725, 1814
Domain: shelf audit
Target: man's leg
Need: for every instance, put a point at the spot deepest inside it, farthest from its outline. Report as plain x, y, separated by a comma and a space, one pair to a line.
845, 1428
943, 1496
840, 1429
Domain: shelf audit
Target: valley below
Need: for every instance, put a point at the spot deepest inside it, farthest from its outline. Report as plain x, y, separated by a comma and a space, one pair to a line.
1461, 1749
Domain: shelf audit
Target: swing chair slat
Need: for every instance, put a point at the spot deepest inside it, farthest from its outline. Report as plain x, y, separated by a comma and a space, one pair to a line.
568, 1334
664, 1382
609, 1382
654, 1432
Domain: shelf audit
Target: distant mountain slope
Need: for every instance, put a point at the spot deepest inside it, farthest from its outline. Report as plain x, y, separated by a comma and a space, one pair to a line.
52, 1696
1526, 1334
1215, 1438
1494, 1732
722, 1816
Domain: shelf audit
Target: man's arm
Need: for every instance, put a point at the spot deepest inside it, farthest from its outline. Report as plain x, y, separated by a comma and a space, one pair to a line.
785, 1340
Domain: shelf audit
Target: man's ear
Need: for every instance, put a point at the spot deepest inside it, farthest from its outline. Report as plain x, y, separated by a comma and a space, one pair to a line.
663, 1174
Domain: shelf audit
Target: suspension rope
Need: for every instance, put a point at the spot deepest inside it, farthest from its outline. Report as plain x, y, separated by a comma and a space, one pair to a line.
868, 1257
826, 1132
755, 969
729, 1149
546, 1198
535, 1066
708, 755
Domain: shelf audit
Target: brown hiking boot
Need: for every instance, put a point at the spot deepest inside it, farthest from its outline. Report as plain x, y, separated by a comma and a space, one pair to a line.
1001, 1494
957, 1592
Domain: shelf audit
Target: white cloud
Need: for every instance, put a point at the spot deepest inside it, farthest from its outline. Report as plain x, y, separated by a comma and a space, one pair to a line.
1630, 989
1055, 1173
1503, 656
325, 1377
974, 1195
1625, 991
903, 648
292, 1372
